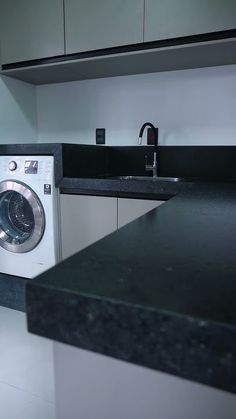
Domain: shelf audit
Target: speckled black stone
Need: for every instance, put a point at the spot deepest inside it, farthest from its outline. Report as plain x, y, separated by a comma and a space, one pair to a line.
72, 159
12, 292
73, 162
159, 292
143, 189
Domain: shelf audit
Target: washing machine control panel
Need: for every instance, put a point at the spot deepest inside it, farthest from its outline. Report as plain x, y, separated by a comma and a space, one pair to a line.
12, 165
31, 167
28, 169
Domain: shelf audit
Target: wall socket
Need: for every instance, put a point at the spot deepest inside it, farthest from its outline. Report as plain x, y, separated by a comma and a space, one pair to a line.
100, 135
150, 136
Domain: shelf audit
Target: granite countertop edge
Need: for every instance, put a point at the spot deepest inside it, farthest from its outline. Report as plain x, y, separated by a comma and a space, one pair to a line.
182, 345
146, 189
192, 347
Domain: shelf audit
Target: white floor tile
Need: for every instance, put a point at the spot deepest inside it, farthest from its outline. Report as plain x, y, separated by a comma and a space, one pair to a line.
26, 365
17, 404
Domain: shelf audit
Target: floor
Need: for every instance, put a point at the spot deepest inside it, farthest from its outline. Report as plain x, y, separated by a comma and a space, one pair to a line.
26, 370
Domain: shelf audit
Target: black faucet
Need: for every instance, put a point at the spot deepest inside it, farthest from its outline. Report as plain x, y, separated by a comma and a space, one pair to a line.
148, 124
149, 167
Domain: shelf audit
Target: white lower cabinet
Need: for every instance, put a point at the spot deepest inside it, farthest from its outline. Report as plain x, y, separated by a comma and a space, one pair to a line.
130, 209
93, 386
84, 220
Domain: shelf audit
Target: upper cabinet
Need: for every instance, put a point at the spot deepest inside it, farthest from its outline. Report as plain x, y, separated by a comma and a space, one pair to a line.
36, 29
31, 29
166, 19
91, 25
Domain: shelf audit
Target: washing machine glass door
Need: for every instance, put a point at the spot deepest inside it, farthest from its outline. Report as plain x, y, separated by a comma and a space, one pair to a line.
22, 219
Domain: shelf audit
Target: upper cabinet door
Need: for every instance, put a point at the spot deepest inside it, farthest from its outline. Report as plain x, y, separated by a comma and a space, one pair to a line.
31, 29
97, 24
174, 18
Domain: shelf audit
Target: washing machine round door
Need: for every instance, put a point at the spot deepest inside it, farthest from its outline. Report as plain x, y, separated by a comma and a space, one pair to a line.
22, 219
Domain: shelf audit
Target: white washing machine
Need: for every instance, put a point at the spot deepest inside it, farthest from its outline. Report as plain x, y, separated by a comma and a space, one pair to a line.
29, 215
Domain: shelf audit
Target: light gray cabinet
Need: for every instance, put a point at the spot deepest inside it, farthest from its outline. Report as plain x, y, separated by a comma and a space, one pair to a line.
31, 29
130, 209
91, 24
84, 220
174, 18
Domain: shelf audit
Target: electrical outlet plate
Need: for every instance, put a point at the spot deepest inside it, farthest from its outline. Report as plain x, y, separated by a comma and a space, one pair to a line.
100, 135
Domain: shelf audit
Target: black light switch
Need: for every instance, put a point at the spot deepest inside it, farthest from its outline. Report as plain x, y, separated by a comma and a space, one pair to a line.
100, 135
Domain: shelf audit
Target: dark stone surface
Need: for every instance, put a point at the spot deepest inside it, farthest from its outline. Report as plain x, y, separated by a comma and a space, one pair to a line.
83, 171
159, 292
12, 292
79, 161
144, 189
202, 161
82, 160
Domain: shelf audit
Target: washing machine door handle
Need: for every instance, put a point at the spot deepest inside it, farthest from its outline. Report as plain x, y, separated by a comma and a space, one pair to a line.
22, 217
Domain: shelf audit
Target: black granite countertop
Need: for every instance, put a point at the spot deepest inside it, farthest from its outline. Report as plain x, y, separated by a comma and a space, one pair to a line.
145, 189
12, 292
160, 292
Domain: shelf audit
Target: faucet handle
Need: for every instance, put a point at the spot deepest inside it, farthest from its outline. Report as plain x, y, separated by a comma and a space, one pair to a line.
154, 158
152, 167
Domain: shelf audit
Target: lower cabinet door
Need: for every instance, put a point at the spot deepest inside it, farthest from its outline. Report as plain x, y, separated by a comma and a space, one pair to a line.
130, 209
84, 220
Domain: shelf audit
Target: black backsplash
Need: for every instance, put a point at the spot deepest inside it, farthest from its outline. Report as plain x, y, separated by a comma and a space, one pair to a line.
215, 162
81, 160
104, 161
85, 160
129, 160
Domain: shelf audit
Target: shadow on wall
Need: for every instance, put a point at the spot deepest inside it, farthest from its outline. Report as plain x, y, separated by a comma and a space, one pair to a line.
18, 116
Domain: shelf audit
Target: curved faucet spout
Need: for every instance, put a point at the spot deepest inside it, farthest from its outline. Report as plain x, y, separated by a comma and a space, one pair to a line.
148, 124
154, 165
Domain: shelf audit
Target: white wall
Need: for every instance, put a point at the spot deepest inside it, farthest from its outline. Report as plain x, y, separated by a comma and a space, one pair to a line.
18, 118
189, 106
